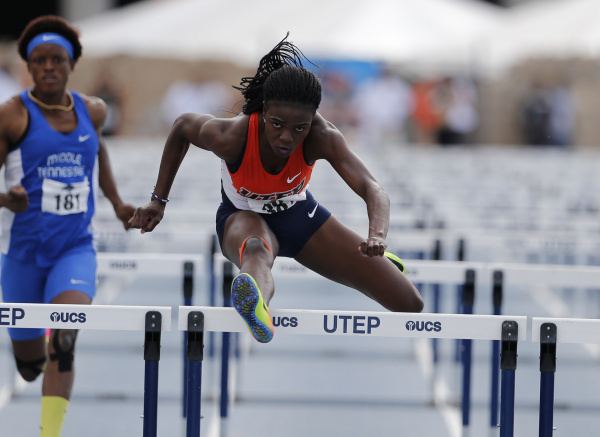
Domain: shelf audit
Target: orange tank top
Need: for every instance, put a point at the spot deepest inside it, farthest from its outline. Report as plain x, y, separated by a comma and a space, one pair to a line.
252, 188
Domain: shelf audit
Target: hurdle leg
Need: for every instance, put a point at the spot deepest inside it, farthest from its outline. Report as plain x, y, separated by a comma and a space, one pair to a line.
468, 299
548, 333
188, 291
508, 364
214, 246
195, 355
495, 364
225, 350
435, 289
152, 357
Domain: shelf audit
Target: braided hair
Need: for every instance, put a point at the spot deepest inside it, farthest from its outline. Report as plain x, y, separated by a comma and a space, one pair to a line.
281, 77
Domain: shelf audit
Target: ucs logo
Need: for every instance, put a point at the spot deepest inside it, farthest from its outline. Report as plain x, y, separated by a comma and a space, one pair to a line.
424, 326
68, 317
285, 322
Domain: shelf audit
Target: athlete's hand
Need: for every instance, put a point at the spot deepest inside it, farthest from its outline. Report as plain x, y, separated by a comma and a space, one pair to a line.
147, 217
17, 199
373, 246
124, 213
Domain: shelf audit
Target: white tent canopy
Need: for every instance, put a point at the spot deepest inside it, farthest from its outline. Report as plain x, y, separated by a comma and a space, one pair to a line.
547, 28
242, 32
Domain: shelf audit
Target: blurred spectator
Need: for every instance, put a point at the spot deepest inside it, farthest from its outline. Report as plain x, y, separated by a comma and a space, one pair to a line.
9, 84
336, 99
200, 97
536, 115
107, 89
548, 115
425, 118
382, 105
562, 116
455, 99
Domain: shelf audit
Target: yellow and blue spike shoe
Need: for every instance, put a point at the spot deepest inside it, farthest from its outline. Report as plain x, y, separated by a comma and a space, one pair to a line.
248, 301
395, 260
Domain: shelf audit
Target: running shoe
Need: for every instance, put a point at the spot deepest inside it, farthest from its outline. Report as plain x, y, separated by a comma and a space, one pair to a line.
248, 301
395, 260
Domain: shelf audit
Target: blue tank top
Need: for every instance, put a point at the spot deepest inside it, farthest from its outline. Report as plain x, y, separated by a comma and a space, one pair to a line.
59, 172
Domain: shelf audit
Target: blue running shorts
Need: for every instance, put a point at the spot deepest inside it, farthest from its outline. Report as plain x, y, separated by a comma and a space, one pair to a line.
292, 227
26, 283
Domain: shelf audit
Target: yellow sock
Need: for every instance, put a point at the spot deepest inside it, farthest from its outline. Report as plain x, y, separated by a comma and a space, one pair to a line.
53, 415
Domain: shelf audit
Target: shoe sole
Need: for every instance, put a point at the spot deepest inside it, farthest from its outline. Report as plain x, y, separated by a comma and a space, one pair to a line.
245, 297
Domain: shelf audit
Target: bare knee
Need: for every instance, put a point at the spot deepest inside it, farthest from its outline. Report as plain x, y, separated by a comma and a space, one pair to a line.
410, 301
255, 247
415, 303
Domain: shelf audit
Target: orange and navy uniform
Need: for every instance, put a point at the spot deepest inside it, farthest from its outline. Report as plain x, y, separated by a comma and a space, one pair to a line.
283, 200
251, 187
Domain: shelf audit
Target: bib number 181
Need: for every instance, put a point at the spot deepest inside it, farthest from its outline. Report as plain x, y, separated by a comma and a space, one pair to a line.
63, 199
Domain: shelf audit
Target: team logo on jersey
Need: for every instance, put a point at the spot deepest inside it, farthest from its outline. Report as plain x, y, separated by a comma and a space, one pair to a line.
273, 196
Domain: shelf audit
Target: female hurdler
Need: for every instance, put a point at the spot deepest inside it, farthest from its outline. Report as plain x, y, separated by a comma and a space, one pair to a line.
268, 153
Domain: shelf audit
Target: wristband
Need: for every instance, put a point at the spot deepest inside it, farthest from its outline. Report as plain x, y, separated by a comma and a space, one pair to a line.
158, 198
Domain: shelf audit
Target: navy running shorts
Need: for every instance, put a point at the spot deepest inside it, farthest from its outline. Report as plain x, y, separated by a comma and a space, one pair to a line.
292, 227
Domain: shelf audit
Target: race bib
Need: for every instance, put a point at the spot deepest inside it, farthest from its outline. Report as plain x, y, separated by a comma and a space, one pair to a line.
270, 206
63, 199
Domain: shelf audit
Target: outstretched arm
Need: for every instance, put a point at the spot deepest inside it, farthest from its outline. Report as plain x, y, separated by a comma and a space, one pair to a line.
106, 179
185, 131
332, 146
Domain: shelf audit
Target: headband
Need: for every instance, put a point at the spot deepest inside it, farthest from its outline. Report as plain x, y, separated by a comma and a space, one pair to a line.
50, 38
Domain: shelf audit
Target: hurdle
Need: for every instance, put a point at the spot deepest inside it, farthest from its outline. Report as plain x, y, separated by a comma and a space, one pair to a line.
463, 274
548, 332
151, 320
189, 266
511, 274
364, 323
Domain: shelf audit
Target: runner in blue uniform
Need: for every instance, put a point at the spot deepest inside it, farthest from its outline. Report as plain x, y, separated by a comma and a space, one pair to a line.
55, 159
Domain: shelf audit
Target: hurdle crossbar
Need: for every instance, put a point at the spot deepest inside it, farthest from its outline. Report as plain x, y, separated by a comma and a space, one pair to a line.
551, 274
155, 264
99, 317
585, 331
370, 323
382, 324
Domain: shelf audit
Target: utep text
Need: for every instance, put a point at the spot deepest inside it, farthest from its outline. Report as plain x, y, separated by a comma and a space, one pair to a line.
9, 316
358, 324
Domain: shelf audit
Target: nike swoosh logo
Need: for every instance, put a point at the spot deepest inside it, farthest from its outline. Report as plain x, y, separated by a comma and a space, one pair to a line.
311, 214
289, 181
79, 281
82, 138
48, 37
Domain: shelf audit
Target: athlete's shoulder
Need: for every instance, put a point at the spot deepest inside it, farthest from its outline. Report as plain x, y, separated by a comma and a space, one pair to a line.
96, 108
233, 126
225, 136
13, 118
322, 139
